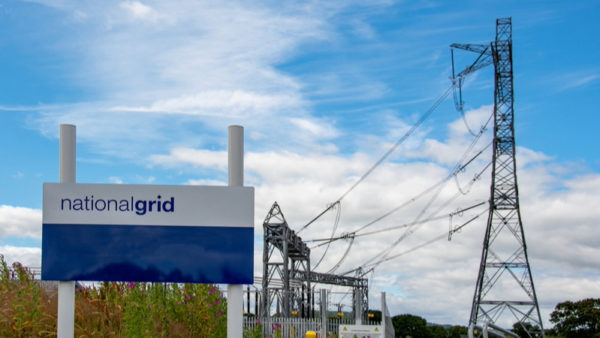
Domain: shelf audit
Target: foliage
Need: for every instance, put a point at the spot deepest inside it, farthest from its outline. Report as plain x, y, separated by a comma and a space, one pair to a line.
23, 304
256, 332
409, 325
526, 329
376, 315
437, 331
577, 319
457, 331
111, 309
417, 327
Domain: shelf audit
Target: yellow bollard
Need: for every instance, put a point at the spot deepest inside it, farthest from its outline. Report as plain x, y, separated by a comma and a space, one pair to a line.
311, 334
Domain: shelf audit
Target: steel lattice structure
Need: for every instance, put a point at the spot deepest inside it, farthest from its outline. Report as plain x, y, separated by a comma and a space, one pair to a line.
287, 258
504, 284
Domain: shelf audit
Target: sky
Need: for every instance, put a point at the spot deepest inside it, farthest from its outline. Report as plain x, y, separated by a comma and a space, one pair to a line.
323, 90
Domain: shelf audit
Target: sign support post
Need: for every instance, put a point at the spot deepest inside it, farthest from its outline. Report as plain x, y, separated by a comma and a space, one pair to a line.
235, 292
65, 327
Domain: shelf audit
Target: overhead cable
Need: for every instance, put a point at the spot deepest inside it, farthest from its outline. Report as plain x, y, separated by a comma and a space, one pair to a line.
386, 155
386, 259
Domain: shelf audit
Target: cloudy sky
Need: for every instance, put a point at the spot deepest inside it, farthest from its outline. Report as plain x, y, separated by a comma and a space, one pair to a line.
323, 90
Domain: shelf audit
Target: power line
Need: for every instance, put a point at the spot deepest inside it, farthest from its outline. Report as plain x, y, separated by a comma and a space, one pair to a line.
352, 235
458, 167
410, 230
435, 239
335, 225
386, 155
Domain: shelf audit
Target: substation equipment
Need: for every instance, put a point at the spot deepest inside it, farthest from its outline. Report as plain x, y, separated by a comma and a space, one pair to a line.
286, 259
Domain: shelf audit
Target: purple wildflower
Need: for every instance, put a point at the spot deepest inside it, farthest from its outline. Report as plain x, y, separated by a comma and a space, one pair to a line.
131, 285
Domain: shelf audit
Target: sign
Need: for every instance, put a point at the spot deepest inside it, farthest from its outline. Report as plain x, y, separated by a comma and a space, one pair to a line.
151, 233
361, 331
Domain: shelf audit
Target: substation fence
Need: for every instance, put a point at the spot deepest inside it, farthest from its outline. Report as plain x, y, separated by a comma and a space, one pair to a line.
296, 327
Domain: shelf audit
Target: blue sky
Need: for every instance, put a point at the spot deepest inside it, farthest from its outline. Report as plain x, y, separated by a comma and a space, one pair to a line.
323, 90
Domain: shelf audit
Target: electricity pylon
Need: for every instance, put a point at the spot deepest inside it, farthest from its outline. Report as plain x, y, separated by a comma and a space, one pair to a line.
504, 284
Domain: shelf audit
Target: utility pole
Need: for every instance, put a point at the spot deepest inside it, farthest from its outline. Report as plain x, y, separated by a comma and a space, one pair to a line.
504, 285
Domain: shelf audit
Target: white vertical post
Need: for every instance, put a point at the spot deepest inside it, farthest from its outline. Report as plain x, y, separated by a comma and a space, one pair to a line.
358, 306
323, 313
470, 333
484, 332
66, 290
235, 293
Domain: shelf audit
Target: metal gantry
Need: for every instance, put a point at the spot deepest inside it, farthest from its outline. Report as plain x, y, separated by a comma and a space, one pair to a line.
287, 276
504, 289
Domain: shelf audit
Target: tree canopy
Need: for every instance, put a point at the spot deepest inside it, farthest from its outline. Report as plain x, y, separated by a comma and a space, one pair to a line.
577, 319
417, 327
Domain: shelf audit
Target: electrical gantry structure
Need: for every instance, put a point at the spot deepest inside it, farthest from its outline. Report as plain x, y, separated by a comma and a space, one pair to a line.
289, 278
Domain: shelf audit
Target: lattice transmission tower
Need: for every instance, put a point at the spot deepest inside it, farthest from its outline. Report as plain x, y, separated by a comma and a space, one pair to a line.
504, 289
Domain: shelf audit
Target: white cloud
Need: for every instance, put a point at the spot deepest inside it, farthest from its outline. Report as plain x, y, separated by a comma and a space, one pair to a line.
315, 128
207, 66
20, 222
29, 257
139, 11
218, 103
195, 157
115, 180
579, 79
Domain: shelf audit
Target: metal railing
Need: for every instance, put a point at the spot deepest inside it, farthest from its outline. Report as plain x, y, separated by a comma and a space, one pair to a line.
295, 327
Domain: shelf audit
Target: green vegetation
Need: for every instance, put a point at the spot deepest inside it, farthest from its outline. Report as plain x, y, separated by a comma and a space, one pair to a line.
111, 309
577, 319
416, 327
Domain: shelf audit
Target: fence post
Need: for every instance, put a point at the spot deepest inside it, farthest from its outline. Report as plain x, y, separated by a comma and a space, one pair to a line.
323, 313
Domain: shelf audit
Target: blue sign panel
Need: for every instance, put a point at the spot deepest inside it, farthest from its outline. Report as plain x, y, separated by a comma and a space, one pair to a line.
183, 234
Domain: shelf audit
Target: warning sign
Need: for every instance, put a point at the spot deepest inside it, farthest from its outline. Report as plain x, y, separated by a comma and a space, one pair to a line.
361, 331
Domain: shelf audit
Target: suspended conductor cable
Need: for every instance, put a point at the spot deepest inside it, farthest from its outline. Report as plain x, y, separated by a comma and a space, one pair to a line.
384, 253
410, 230
435, 239
335, 225
458, 168
434, 218
337, 265
464, 118
387, 154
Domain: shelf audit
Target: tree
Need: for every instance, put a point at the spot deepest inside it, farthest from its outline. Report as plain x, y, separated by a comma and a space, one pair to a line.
376, 315
409, 325
457, 331
525, 330
577, 319
437, 331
